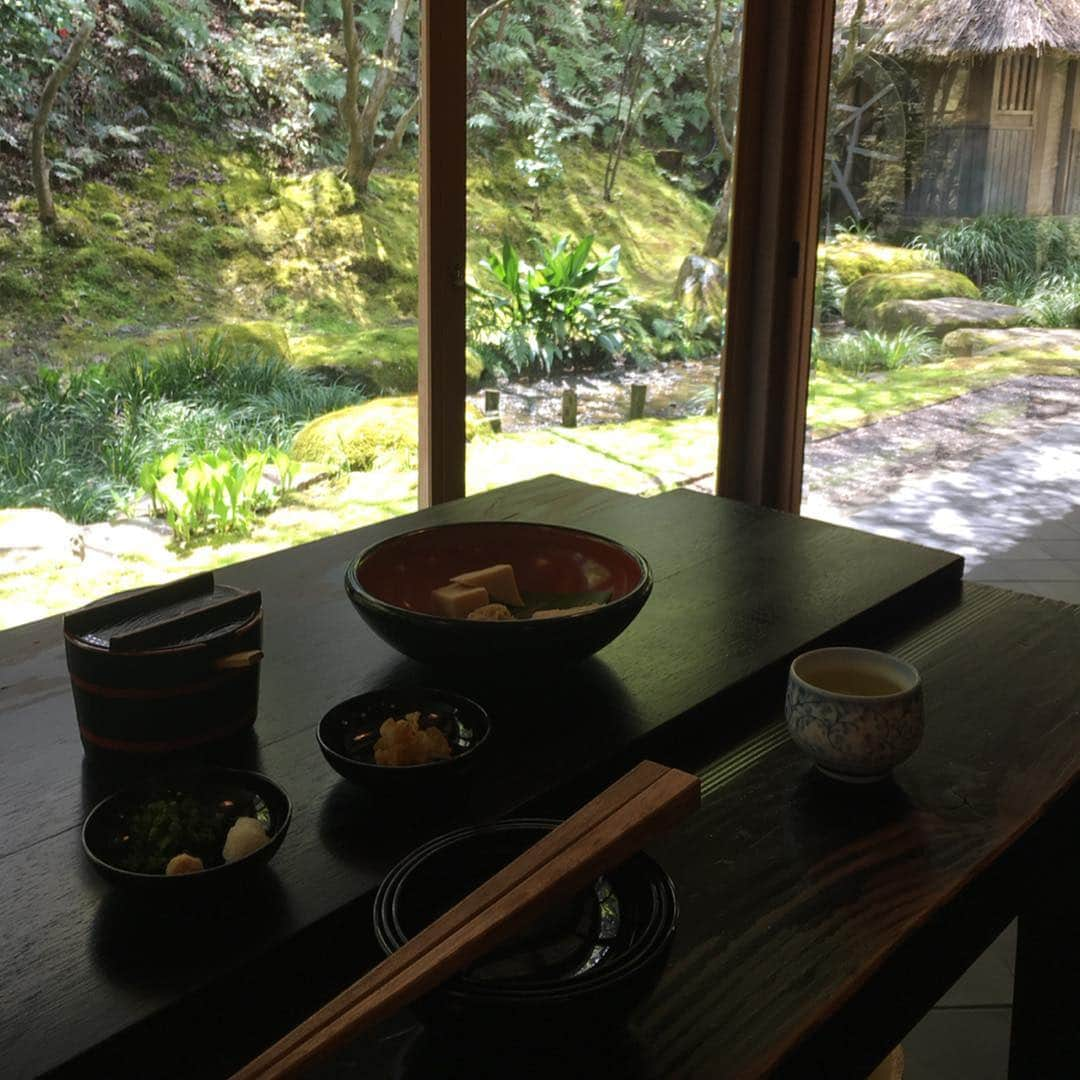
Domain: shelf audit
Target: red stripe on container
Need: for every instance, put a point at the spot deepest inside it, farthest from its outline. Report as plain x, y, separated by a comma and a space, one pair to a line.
141, 694
157, 746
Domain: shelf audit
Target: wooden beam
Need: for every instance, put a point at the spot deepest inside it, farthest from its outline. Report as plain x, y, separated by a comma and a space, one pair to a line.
1064, 150
443, 61
776, 209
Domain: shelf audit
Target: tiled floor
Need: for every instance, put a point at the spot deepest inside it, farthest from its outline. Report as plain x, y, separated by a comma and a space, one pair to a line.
1015, 517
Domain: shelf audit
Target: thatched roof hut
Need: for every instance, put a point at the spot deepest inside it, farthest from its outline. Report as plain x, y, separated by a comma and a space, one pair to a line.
999, 82
963, 29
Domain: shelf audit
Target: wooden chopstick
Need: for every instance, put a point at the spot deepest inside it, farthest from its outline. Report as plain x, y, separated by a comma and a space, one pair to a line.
610, 828
624, 789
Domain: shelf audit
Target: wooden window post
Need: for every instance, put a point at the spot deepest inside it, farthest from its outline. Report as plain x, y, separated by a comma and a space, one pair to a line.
443, 61
776, 208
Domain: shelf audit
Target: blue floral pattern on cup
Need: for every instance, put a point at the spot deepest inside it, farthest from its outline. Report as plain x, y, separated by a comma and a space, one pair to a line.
856, 738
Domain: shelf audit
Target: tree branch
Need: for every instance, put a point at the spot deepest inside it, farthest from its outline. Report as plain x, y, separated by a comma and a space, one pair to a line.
350, 103
393, 144
715, 71
38, 163
481, 18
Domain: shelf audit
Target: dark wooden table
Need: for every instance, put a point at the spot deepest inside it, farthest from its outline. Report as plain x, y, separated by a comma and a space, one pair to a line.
799, 898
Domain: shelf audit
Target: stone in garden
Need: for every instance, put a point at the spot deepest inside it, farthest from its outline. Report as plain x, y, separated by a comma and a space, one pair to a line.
870, 290
852, 258
943, 315
140, 538
380, 432
35, 537
1017, 342
700, 285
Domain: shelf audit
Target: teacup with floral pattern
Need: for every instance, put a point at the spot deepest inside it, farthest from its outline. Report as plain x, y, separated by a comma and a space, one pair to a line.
857, 713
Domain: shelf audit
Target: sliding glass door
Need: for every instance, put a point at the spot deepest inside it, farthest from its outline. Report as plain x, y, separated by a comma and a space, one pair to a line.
600, 145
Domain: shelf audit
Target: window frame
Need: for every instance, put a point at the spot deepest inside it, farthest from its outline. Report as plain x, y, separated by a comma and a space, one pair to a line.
783, 102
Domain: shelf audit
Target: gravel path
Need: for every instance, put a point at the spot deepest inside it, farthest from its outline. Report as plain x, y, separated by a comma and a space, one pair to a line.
860, 468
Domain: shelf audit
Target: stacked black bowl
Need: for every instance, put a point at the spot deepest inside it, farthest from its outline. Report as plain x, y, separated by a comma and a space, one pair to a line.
589, 961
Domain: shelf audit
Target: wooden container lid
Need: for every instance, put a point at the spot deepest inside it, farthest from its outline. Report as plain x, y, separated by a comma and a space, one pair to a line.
177, 616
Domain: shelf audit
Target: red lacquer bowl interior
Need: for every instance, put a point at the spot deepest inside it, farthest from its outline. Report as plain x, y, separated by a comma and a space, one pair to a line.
404, 570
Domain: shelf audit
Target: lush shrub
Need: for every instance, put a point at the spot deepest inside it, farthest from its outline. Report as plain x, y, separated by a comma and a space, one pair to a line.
867, 351
677, 333
1050, 299
218, 492
567, 310
1000, 248
829, 295
77, 443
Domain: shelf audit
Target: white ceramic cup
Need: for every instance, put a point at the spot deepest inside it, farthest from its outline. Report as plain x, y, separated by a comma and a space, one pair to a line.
857, 713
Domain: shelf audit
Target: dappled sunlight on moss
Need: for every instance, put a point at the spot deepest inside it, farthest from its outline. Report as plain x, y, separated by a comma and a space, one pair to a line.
642, 457
854, 256
656, 224
207, 235
838, 400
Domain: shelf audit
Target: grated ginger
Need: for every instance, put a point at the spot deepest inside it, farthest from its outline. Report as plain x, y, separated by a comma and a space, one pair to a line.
405, 742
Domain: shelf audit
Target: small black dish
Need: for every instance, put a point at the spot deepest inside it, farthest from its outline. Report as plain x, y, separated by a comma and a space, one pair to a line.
348, 732
224, 793
590, 960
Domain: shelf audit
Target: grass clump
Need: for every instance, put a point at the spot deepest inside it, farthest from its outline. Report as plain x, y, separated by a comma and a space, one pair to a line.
1051, 300
871, 351
999, 248
77, 443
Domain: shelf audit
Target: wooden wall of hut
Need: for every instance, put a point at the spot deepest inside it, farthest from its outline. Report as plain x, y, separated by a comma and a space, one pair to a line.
949, 165
1004, 141
1067, 184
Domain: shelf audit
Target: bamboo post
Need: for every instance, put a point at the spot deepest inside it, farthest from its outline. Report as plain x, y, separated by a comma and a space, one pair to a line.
637, 400
569, 408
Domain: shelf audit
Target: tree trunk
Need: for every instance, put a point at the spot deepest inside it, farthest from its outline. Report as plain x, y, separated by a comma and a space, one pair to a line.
716, 241
39, 164
854, 45
362, 121
721, 85
633, 66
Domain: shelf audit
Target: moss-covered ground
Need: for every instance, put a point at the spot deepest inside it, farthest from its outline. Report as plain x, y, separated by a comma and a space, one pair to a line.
642, 457
840, 400
205, 237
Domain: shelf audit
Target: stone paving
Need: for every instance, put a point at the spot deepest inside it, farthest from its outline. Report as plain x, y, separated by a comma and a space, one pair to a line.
858, 468
1013, 514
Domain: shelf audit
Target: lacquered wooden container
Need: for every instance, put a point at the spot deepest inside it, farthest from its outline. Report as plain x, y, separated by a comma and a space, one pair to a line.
165, 670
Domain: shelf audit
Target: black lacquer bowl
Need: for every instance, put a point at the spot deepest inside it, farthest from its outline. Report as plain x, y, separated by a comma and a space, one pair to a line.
107, 833
390, 585
589, 961
348, 732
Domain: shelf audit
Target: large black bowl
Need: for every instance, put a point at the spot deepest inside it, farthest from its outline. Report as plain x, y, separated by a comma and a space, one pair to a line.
390, 585
346, 736
247, 793
588, 961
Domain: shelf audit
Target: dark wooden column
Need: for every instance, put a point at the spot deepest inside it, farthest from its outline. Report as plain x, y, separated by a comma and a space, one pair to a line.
443, 63
1045, 1038
776, 207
